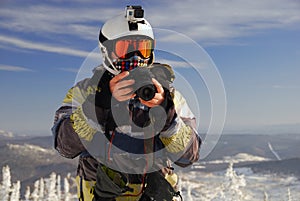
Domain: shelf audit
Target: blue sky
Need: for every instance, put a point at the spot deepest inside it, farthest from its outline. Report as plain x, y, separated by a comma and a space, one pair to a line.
254, 44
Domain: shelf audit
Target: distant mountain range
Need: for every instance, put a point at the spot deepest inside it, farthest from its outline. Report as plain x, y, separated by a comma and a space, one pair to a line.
285, 145
33, 157
286, 166
258, 152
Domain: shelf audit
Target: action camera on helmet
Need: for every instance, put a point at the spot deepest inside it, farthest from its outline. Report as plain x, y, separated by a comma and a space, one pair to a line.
134, 13
143, 85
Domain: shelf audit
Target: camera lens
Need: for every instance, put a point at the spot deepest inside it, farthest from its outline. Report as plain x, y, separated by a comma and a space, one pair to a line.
146, 92
138, 13
143, 85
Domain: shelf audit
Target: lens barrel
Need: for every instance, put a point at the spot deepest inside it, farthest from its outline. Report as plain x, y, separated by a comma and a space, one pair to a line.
146, 92
143, 86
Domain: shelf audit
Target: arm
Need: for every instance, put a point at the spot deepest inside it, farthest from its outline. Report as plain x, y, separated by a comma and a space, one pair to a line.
181, 138
66, 140
178, 129
74, 121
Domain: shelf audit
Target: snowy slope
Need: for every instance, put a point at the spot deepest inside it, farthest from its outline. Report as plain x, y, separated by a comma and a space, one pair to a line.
253, 171
6, 134
30, 149
238, 158
238, 184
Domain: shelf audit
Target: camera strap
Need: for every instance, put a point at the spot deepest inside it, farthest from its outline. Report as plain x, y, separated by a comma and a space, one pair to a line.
149, 148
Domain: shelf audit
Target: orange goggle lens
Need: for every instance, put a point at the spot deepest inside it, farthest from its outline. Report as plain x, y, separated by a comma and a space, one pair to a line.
127, 46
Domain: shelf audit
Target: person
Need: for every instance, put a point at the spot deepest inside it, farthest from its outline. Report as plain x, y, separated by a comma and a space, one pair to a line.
127, 136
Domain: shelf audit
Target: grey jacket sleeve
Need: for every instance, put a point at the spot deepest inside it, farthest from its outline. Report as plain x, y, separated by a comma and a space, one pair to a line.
66, 140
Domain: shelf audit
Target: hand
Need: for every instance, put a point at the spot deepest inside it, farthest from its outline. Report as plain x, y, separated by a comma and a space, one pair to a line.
159, 95
121, 89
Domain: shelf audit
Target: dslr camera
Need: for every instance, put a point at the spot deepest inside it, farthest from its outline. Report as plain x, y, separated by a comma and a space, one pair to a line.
143, 85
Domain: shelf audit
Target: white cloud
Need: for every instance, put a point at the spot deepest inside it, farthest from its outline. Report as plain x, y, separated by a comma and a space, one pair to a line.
219, 20
201, 20
14, 68
42, 47
49, 20
211, 22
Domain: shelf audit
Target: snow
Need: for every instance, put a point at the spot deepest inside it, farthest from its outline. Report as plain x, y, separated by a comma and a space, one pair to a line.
244, 171
30, 148
48, 189
273, 151
238, 184
240, 157
233, 184
6, 134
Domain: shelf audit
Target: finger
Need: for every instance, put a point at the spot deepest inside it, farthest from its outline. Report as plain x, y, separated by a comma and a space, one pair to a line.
117, 82
120, 76
151, 103
147, 103
124, 91
129, 96
122, 96
124, 84
158, 86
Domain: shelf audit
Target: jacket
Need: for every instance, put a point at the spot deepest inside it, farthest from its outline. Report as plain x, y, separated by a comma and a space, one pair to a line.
86, 116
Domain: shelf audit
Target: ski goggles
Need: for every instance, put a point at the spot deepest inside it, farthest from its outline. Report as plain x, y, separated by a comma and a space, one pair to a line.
127, 47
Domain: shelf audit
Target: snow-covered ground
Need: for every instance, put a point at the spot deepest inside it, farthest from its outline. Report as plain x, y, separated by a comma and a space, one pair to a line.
231, 185
238, 158
238, 184
29, 148
6, 134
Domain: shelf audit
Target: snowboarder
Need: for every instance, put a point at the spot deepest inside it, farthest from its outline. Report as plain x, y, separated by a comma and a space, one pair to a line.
101, 118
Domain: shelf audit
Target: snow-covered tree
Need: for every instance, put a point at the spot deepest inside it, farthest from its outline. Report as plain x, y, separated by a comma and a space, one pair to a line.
58, 187
48, 189
15, 193
27, 194
266, 196
67, 189
9, 191
41, 189
231, 188
35, 193
289, 196
6, 184
51, 187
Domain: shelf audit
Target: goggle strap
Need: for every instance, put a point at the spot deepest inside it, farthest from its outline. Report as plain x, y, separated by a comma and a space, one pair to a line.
111, 70
105, 57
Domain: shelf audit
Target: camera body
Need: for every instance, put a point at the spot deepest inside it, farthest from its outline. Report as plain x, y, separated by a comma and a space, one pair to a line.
134, 13
143, 86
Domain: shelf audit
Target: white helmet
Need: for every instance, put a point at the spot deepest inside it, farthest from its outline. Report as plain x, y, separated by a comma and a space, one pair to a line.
131, 25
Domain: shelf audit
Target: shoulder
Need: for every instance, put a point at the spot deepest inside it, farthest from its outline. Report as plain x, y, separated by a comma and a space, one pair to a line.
163, 68
181, 105
83, 88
